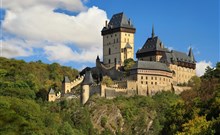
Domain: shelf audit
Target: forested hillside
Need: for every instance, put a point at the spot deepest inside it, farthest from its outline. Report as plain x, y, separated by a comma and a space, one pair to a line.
25, 110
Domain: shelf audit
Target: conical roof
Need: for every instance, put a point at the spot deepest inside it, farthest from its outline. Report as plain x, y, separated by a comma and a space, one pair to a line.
66, 79
88, 80
51, 91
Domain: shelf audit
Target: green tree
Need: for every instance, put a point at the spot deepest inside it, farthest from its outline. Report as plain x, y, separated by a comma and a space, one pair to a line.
107, 80
195, 83
197, 126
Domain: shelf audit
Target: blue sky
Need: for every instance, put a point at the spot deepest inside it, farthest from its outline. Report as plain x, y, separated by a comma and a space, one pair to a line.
179, 24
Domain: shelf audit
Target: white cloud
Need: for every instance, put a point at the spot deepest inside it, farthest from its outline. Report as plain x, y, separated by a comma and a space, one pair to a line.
201, 66
63, 53
15, 5
15, 48
39, 26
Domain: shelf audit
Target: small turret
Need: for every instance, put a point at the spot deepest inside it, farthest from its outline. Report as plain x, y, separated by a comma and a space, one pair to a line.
66, 85
51, 95
88, 80
192, 58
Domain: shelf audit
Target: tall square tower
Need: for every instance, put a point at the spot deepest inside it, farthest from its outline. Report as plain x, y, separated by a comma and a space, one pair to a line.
118, 40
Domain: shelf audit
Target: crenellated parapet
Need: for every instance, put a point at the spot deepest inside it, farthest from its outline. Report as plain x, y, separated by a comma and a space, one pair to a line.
77, 81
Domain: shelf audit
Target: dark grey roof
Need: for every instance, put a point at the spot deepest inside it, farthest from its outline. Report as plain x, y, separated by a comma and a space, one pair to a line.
175, 56
128, 45
180, 56
66, 79
152, 44
51, 91
88, 80
150, 65
119, 20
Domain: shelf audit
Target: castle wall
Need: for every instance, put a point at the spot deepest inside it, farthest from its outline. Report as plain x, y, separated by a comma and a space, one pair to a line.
95, 89
181, 74
151, 81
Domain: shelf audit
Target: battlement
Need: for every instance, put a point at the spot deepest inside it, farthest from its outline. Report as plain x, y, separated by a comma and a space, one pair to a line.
77, 81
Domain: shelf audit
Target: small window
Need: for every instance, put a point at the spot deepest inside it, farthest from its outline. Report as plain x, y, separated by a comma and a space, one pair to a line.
115, 61
109, 51
152, 82
155, 83
141, 77
125, 34
141, 82
128, 40
146, 77
155, 78
152, 78
115, 34
146, 82
109, 61
128, 34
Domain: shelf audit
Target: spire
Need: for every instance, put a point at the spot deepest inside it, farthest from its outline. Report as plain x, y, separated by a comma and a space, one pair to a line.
191, 55
152, 34
97, 58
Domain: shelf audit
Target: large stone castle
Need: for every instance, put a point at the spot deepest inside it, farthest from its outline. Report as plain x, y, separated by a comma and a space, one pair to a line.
157, 68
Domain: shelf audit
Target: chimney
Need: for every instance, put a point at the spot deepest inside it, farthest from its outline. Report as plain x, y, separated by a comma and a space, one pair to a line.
129, 21
106, 23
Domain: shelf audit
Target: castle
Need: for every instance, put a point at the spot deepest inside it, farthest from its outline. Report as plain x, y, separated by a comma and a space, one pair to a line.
157, 68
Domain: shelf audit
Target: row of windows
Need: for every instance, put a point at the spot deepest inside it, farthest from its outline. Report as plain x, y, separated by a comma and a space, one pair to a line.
114, 41
116, 35
155, 78
112, 35
142, 82
152, 83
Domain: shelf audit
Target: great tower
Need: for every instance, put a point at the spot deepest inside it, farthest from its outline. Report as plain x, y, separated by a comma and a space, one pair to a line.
118, 40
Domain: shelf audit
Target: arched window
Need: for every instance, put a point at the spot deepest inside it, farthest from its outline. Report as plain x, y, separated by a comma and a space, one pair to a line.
109, 51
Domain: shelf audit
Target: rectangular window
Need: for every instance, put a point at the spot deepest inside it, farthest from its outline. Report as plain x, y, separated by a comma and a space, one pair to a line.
141, 77
146, 77
152, 78
152, 82
155, 83
155, 78
146, 82
109, 61
141, 82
